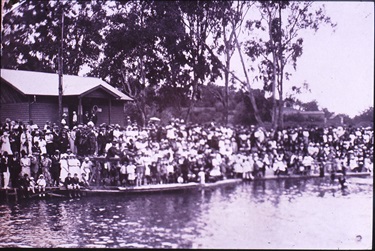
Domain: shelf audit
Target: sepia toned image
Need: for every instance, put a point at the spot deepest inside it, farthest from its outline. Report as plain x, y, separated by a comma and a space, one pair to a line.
187, 124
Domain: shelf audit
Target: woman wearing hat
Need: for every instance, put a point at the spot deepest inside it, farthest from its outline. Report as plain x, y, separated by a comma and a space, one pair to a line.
35, 137
25, 163
5, 143
46, 164
25, 140
72, 139
64, 171
42, 144
87, 167
74, 165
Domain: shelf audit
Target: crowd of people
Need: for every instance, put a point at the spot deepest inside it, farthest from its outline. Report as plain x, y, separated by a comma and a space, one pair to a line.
109, 154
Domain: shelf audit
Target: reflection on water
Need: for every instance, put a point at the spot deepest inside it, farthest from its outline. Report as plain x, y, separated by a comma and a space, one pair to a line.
283, 214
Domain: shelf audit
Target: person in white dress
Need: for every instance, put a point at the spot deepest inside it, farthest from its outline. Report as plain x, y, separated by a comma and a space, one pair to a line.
5, 143
64, 167
130, 170
25, 163
41, 184
74, 165
87, 167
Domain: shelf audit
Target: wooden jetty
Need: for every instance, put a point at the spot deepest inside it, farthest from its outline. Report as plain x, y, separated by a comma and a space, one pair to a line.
16, 194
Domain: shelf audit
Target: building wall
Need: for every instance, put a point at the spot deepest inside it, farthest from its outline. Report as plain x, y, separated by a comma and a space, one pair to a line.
113, 114
117, 113
14, 111
41, 112
16, 106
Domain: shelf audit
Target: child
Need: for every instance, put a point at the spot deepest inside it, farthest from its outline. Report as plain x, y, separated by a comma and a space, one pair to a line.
31, 185
75, 182
202, 176
41, 185
68, 182
123, 174
130, 169
84, 182
76, 187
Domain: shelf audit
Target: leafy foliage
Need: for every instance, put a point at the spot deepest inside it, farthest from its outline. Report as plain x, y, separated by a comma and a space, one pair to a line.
167, 54
366, 117
32, 35
282, 21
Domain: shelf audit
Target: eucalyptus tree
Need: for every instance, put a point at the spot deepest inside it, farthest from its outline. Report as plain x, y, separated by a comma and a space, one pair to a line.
199, 19
280, 43
31, 35
236, 24
144, 51
229, 18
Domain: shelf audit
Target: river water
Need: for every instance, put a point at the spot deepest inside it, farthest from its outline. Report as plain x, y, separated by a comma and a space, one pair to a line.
284, 214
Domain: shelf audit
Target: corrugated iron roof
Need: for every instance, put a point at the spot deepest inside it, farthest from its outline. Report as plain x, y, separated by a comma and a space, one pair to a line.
41, 83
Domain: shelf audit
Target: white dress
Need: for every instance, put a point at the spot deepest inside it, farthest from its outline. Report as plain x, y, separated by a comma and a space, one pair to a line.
75, 167
64, 169
130, 169
25, 164
5, 145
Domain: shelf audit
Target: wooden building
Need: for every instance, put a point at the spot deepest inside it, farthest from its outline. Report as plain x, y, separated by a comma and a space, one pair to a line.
28, 95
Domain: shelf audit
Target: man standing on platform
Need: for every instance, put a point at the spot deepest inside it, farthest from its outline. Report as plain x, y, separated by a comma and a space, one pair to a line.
64, 120
74, 119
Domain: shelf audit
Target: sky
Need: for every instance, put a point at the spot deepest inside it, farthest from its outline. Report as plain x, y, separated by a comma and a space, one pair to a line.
338, 65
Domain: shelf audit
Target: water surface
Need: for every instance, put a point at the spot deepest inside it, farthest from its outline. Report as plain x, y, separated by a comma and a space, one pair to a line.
285, 214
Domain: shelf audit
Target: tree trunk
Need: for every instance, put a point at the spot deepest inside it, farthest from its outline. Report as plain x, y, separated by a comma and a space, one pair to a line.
141, 110
192, 103
226, 73
281, 82
251, 96
274, 105
281, 97
226, 95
